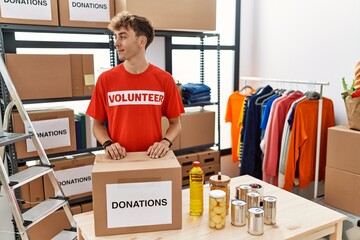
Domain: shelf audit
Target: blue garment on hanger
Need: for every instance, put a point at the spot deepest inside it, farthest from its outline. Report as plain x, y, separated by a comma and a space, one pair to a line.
251, 161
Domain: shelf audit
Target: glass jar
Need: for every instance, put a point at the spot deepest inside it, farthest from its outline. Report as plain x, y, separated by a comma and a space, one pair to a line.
217, 209
221, 182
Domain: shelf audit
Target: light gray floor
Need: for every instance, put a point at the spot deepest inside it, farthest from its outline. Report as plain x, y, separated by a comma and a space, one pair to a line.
350, 229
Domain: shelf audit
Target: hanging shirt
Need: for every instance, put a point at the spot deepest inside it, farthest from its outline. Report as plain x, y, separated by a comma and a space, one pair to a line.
251, 162
233, 113
302, 147
273, 142
133, 105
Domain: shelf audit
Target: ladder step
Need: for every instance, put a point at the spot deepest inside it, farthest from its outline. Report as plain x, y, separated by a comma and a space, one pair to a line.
27, 175
66, 235
42, 210
8, 138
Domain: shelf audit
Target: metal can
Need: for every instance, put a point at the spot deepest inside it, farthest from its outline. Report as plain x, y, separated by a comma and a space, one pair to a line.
252, 200
243, 191
217, 209
269, 210
255, 224
221, 182
238, 212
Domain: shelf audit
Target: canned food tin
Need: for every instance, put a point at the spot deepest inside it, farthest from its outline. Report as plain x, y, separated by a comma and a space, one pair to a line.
269, 210
253, 199
243, 191
255, 224
217, 209
238, 212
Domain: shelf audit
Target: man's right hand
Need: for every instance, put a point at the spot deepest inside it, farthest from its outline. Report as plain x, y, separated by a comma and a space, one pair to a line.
115, 151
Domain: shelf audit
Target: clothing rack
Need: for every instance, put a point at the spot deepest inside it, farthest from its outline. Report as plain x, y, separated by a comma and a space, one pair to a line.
318, 138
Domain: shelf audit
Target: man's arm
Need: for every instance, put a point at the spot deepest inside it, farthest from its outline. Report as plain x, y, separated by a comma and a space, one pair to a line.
159, 149
114, 150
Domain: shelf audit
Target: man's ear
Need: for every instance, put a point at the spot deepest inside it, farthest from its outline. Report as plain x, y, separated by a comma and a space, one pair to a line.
142, 41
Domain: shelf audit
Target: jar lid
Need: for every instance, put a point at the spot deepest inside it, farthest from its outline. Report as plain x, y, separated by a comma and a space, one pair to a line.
217, 194
218, 179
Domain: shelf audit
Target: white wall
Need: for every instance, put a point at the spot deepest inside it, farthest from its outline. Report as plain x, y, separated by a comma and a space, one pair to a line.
303, 40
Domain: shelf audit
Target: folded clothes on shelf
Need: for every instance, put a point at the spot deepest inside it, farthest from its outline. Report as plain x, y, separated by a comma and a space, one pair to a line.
195, 93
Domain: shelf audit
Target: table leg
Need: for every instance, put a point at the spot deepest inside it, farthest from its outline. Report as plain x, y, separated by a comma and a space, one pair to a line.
338, 231
79, 234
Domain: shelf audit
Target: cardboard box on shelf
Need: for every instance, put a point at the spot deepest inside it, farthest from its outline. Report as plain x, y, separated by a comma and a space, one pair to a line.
209, 157
164, 127
73, 175
209, 170
55, 128
341, 149
25, 191
198, 129
82, 74
136, 194
40, 76
342, 190
86, 207
41, 13
52, 224
36, 188
86, 13
199, 15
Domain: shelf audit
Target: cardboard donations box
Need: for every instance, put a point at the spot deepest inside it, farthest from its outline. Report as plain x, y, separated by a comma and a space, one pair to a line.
54, 127
136, 194
73, 174
43, 12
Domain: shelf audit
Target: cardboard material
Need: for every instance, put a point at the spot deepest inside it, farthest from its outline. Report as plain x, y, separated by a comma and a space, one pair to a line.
72, 176
86, 13
199, 15
164, 127
34, 14
82, 74
341, 149
86, 207
137, 180
342, 190
40, 117
25, 191
209, 157
198, 129
50, 226
40, 76
36, 188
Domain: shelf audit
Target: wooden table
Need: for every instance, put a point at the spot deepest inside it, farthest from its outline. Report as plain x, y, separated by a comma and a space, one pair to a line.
297, 218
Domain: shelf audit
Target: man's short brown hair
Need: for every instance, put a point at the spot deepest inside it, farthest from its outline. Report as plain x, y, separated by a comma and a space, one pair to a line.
141, 25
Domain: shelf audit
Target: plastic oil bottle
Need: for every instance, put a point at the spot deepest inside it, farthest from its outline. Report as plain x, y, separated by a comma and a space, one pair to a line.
196, 177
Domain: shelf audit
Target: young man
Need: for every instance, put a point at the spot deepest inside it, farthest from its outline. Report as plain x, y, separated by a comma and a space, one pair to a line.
133, 96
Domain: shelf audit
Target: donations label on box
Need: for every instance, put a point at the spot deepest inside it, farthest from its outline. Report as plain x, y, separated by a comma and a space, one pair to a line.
139, 204
75, 180
80, 10
53, 133
34, 10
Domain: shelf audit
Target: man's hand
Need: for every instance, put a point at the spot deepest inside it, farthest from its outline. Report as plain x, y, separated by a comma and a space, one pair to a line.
158, 149
115, 151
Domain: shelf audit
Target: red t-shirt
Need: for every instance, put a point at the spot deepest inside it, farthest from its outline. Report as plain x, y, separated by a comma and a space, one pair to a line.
133, 105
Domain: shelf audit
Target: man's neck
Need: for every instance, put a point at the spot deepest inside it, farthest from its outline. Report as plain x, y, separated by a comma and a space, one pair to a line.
136, 67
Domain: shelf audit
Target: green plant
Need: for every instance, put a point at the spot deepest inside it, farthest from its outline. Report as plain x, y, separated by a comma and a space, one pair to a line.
347, 91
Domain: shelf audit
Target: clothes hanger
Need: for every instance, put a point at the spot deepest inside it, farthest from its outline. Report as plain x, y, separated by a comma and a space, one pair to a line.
246, 87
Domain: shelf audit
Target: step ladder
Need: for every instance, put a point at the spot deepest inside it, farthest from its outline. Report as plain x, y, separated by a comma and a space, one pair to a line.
25, 220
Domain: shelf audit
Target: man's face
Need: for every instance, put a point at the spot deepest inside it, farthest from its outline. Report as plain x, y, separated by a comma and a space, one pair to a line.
127, 44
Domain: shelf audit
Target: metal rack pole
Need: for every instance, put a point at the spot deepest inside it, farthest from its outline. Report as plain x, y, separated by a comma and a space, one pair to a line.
320, 106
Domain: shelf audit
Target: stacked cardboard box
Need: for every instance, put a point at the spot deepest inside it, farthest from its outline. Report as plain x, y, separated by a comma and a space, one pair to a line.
30, 12
55, 128
199, 15
46, 76
209, 163
342, 181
